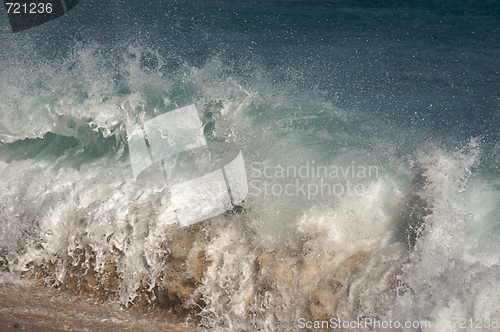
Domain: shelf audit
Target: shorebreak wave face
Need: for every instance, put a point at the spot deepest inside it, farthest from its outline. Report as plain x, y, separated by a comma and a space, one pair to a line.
251, 166
178, 148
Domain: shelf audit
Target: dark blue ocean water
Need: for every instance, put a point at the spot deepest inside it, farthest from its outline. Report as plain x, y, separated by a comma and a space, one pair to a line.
409, 87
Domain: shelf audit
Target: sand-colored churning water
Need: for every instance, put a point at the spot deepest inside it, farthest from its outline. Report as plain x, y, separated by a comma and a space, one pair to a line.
216, 275
30, 307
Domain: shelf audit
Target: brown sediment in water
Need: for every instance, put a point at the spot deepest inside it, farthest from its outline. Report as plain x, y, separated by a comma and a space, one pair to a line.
10, 323
31, 307
313, 280
324, 296
182, 272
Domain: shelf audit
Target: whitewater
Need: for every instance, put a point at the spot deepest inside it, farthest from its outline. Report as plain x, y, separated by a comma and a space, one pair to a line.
369, 136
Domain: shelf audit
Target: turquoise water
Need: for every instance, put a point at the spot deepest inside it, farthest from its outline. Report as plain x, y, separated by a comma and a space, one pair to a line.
407, 89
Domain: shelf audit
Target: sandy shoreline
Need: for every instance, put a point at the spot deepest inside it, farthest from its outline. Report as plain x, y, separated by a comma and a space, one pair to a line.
29, 307
13, 323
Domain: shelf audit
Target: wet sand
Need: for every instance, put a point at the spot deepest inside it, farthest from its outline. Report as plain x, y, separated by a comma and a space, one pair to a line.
29, 307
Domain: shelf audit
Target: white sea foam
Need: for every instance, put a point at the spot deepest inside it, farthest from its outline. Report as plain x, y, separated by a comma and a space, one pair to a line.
77, 214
